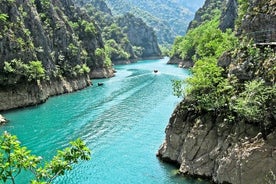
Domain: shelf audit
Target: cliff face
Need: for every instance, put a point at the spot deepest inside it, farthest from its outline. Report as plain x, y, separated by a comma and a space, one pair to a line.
115, 33
259, 23
140, 35
55, 34
229, 13
28, 94
226, 10
205, 145
208, 143
169, 18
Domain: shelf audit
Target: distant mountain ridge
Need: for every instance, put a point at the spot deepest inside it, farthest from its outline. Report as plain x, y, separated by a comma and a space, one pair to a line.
169, 18
126, 37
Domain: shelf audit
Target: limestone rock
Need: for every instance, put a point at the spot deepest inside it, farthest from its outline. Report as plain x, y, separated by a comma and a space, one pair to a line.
259, 22
45, 31
2, 120
100, 73
140, 35
29, 94
208, 147
229, 15
181, 63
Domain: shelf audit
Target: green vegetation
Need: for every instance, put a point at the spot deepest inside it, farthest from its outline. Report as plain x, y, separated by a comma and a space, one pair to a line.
253, 103
103, 53
3, 17
117, 44
168, 18
204, 41
204, 45
249, 98
88, 27
14, 159
243, 6
80, 69
32, 71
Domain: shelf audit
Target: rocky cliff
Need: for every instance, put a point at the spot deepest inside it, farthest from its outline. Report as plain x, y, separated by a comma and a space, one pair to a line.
140, 35
168, 18
44, 42
227, 145
226, 10
205, 145
121, 48
28, 94
211, 8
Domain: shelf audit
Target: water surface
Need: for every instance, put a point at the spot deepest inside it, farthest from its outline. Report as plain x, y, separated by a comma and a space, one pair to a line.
122, 122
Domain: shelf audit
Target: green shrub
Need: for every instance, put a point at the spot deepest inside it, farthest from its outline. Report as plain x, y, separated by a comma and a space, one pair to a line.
3, 17
253, 102
36, 70
14, 159
81, 69
32, 71
204, 41
103, 54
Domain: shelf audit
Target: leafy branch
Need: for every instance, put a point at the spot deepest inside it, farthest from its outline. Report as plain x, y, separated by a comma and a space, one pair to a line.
14, 158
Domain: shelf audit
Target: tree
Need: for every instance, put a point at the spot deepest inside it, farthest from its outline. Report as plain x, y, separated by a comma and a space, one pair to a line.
36, 70
14, 158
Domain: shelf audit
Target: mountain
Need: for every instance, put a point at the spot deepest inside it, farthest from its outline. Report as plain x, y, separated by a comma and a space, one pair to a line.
168, 18
140, 35
47, 48
126, 37
225, 11
52, 47
224, 130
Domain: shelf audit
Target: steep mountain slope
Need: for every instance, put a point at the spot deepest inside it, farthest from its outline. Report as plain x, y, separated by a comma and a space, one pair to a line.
140, 35
47, 48
225, 127
168, 18
225, 11
122, 41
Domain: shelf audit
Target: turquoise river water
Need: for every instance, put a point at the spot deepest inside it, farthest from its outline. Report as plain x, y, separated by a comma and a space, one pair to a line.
122, 122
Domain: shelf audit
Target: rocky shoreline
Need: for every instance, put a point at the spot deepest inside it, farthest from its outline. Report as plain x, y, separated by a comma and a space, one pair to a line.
203, 144
181, 63
28, 94
123, 62
100, 73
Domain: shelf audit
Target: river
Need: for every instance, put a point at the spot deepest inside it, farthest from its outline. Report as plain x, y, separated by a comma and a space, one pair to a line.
122, 122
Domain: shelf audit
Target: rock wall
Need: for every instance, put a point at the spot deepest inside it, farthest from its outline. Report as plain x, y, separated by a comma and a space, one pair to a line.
100, 73
28, 94
259, 23
205, 145
229, 13
140, 35
61, 36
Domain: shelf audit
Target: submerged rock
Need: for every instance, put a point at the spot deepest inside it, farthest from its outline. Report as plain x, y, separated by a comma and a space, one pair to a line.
2, 119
